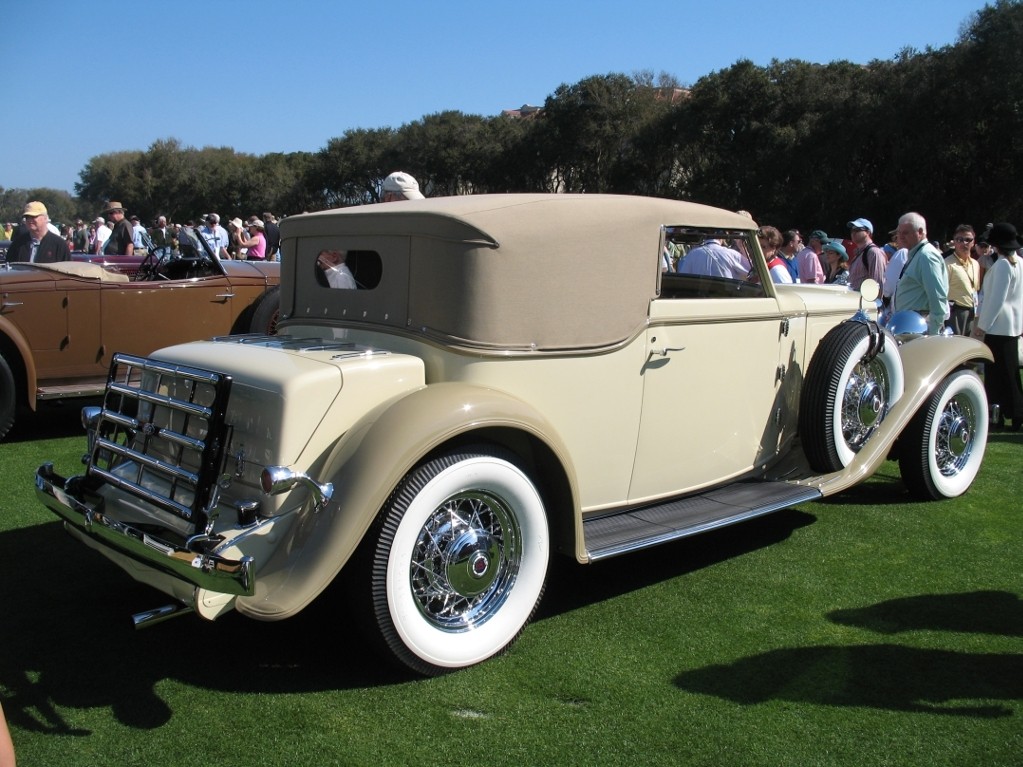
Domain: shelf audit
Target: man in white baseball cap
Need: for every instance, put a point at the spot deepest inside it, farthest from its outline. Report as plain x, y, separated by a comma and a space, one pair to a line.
400, 186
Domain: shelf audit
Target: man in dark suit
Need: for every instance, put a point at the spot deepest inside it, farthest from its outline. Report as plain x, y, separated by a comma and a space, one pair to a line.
34, 241
161, 236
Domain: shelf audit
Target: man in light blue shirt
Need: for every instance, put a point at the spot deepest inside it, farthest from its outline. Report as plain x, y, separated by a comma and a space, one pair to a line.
923, 286
714, 259
216, 236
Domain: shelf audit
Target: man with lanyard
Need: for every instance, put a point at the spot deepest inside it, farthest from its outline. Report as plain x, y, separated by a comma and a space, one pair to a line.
34, 241
869, 260
963, 281
923, 286
122, 238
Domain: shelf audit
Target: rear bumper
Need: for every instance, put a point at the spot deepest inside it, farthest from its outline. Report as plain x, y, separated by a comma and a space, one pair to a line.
200, 568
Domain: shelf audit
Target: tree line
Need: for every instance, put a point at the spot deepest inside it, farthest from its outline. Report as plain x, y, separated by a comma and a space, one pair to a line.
795, 143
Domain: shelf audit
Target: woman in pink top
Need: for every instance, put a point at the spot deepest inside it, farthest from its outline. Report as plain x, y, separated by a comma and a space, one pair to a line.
255, 244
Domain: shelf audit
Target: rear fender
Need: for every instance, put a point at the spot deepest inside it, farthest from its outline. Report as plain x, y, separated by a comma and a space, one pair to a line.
365, 467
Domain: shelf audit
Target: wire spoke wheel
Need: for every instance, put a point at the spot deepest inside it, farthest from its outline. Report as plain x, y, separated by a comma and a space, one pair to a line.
459, 561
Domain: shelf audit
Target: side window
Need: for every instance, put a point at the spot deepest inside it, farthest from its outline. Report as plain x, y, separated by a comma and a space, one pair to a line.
348, 269
710, 263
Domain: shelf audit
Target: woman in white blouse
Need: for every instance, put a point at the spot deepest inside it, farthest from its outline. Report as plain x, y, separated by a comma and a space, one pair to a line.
1000, 324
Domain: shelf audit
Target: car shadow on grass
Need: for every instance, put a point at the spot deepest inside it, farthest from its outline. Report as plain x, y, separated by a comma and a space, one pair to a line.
571, 586
75, 645
51, 420
887, 676
69, 642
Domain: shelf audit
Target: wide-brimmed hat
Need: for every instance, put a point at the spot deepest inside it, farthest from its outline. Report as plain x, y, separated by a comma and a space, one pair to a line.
34, 208
819, 234
237, 223
1003, 236
111, 207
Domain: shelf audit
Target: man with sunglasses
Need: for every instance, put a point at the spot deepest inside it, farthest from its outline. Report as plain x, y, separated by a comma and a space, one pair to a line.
963, 281
869, 259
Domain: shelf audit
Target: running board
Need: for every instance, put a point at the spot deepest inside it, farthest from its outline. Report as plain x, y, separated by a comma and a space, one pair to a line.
619, 533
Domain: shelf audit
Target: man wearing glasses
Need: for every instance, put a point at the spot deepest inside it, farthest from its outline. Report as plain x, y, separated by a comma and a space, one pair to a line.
923, 286
34, 241
869, 260
963, 281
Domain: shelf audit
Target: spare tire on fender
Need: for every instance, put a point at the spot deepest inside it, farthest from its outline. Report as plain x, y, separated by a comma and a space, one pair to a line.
854, 378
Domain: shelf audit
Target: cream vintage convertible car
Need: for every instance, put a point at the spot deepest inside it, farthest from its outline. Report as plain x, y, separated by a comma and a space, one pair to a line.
511, 377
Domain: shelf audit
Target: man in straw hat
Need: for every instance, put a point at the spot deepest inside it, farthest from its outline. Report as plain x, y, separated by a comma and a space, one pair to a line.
122, 238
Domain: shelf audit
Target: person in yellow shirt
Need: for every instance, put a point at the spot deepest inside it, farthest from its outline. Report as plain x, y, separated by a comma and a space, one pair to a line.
963, 281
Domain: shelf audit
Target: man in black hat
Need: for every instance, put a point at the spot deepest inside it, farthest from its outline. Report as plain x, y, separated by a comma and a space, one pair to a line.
122, 239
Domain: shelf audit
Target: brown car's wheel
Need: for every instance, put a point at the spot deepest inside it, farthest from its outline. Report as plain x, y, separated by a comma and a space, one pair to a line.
267, 313
941, 450
459, 561
8, 398
849, 388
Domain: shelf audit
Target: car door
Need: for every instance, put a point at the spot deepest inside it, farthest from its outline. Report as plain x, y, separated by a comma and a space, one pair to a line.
56, 315
715, 401
140, 317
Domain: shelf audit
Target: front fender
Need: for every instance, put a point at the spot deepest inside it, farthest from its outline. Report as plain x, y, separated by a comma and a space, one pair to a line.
10, 332
365, 467
926, 360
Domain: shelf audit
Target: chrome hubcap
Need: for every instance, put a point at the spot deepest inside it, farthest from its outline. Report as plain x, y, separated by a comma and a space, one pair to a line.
865, 402
465, 560
953, 441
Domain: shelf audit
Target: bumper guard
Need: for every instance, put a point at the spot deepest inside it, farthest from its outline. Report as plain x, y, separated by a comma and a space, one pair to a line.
200, 568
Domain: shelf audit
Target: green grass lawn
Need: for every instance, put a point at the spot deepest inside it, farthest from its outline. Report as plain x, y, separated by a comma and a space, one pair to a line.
862, 630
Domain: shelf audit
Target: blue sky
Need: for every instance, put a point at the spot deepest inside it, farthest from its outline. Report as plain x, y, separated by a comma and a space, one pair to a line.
81, 79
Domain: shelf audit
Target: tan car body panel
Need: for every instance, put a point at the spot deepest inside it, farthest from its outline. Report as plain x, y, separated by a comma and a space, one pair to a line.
67, 319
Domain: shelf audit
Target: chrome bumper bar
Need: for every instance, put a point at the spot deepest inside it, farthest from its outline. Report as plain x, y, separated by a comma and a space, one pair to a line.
202, 569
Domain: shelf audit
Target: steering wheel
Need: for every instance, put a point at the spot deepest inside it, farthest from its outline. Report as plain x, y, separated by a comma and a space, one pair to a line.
149, 269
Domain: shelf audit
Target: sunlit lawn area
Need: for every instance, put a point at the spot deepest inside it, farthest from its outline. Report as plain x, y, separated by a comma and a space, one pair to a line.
864, 630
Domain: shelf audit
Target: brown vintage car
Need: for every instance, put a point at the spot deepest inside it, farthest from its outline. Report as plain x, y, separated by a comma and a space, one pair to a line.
61, 323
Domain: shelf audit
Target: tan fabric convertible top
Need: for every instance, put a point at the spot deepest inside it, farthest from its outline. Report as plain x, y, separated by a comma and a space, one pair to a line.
496, 271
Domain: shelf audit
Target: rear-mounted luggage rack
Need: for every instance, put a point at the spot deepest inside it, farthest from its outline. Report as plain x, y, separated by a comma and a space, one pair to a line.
161, 435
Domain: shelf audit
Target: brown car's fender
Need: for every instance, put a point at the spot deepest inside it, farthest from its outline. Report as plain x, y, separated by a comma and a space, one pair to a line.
927, 361
10, 332
367, 464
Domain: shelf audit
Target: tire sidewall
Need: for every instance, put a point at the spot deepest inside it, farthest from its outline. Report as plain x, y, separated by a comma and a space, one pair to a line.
825, 390
892, 362
267, 313
963, 382
8, 398
448, 649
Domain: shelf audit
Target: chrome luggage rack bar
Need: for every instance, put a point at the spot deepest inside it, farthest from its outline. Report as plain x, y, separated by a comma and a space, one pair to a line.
161, 434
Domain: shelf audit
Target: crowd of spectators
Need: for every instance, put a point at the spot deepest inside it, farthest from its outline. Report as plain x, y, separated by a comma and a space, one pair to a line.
114, 233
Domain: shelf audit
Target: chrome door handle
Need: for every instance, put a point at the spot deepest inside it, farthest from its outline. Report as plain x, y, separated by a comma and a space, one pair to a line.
666, 350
